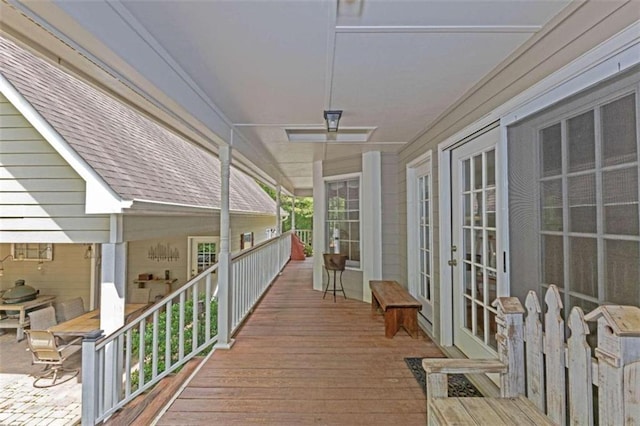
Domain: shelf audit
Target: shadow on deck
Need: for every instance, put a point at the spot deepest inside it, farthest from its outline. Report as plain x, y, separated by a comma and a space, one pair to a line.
300, 359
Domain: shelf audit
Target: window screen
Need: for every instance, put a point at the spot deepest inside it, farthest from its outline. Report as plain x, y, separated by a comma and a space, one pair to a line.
573, 198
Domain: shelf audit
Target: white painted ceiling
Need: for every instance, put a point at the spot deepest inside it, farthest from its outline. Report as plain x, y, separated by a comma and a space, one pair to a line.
267, 65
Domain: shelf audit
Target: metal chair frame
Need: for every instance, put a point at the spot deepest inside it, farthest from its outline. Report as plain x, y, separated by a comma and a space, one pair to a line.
45, 351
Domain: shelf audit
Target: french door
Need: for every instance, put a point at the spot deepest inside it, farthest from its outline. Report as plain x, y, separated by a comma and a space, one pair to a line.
474, 244
420, 239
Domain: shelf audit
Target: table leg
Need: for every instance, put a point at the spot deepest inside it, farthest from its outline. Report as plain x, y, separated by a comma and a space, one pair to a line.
20, 329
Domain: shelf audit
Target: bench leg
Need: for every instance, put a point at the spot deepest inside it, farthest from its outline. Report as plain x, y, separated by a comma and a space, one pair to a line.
391, 322
374, 305
410, 321
407, 318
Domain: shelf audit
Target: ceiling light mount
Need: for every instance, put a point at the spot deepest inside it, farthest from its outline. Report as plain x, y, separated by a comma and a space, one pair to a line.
333, 119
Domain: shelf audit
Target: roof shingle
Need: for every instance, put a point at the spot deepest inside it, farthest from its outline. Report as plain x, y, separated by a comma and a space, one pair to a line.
137, 157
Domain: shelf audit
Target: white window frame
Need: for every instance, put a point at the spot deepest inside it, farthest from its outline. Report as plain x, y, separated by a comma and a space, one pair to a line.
45, 254
338, 178
206, 239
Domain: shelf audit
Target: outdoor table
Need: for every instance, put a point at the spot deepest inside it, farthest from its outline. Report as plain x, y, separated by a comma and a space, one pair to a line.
22, 321
88, 322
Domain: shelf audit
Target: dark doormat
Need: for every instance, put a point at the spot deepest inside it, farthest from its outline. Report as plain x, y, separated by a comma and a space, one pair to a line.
458, 384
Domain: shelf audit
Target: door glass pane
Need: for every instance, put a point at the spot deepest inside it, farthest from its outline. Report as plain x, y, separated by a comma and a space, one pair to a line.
491, 167
477, 171
479, 322
466, 174
467, 209
582, 203
467, 312
491, 208
583, 266
622, 272
477, 208
581, 142
551, 147
619, 131
620, 197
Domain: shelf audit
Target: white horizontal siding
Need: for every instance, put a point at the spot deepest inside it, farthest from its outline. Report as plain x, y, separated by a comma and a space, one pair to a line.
42, 199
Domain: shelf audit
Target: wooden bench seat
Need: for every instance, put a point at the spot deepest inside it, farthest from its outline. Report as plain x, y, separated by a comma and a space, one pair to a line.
399, 307
544, 377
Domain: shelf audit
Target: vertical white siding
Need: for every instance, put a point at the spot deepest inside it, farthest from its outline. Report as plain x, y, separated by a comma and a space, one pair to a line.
390, 219
42, 199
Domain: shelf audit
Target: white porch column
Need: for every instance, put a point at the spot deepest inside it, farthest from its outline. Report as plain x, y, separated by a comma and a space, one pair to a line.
113, 279
318, 225
371, 216
224, 259
278, 208
293, 213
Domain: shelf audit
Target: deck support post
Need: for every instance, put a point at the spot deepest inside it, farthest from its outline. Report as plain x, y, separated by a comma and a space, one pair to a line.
293, 214
278, 218
90, 381
224, 260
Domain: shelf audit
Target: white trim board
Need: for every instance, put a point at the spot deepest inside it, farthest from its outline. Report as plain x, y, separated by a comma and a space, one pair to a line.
99, 198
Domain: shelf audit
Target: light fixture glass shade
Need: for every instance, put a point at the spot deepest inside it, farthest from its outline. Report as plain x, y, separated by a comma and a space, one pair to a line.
333, 119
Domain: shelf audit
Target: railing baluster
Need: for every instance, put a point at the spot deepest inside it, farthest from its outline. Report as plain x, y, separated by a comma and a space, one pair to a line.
154, 355
207, 309
127, 361
167, 337
181, 327
194, 318
141, 354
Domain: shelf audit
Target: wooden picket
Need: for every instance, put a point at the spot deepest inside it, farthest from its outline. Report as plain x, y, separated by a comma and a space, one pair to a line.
535, 356
552, 362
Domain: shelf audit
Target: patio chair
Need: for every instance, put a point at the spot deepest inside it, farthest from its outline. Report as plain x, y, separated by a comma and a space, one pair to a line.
70, 309
43, 318
45, 351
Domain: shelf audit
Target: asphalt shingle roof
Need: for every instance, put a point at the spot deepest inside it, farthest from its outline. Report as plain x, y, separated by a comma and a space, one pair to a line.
138, 158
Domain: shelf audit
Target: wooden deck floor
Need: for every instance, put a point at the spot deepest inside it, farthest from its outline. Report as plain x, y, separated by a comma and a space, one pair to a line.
301, 360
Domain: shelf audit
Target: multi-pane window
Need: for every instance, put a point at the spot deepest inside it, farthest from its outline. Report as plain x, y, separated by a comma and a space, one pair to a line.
205, 255
343, 218
588, 200
32, 251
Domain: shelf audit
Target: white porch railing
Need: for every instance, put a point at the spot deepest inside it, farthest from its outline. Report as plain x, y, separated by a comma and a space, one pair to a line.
305, 235
121, 366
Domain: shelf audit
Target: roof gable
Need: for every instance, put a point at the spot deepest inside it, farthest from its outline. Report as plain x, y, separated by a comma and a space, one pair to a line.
138, 158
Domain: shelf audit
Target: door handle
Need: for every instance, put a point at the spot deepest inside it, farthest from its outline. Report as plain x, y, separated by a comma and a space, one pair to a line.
453, 262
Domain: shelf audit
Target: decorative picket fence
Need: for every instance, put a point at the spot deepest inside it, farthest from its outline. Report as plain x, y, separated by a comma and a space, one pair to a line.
541, 363
121, 366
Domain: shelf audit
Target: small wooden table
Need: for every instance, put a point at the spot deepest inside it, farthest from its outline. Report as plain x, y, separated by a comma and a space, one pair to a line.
20, 323
400, 308
88, 322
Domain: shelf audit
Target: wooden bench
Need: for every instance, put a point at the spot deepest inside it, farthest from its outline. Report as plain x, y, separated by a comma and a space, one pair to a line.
535, 391
399, 307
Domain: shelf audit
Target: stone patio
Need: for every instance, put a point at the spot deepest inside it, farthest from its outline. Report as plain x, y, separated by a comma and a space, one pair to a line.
21, 403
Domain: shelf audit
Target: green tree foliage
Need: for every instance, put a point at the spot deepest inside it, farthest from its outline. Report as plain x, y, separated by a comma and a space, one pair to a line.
174, 339
304, 209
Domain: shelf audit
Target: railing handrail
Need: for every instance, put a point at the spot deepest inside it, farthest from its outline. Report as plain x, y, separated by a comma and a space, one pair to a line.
249, 250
